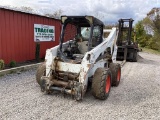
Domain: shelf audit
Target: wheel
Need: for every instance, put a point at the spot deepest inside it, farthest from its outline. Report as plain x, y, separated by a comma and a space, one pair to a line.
101, 83
135, 56
116, 73
41, 70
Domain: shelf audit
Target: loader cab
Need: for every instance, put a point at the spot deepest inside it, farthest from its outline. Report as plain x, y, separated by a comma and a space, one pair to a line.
96, 37
79, 35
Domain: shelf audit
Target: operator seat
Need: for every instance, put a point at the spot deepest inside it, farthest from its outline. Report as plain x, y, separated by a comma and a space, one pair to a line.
82, 45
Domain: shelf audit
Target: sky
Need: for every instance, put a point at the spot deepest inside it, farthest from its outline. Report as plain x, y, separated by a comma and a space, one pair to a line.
109, 11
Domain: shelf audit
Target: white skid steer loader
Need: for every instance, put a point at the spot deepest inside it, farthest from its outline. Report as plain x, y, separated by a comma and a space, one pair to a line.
83, 56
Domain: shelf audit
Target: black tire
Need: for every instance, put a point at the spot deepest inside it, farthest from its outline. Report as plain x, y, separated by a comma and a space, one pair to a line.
116, 73
135, 56
101, 83
40, 72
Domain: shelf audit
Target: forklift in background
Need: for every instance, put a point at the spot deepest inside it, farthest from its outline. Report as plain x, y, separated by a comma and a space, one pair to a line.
127, 48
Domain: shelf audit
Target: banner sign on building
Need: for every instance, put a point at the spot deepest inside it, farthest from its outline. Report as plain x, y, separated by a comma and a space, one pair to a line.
44, 33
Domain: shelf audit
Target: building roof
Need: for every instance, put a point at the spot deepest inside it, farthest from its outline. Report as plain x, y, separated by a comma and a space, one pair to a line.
21, 11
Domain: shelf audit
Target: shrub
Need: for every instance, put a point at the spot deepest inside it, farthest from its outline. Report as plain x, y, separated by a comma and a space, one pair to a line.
2, 65
12, 63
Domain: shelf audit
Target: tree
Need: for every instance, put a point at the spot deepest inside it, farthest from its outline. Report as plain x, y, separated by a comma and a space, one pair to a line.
57, 14
26, 9
140, 34
148, 30
155, 23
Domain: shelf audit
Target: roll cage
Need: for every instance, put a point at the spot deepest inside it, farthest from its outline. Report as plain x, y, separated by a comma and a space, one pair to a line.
81, 22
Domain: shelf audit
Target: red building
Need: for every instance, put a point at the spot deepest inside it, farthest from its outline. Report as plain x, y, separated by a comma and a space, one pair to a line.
17, 35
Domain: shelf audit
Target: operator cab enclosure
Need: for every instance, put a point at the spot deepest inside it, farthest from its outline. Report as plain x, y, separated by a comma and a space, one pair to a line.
79, 35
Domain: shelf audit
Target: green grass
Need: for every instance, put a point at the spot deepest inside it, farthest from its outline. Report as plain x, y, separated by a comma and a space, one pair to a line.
151, 51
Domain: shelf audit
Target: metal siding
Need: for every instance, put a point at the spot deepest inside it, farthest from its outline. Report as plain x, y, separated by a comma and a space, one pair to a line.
18, 41
17, 35
24, 40
5, 38
12, 34
26, 37
8, 35
30, 36
58, 32
4, 47
42, 45
0, 36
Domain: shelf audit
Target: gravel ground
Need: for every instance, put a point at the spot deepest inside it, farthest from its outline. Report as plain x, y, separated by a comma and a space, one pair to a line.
137, 97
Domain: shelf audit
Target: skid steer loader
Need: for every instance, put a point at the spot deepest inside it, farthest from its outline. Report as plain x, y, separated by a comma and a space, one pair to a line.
83, 56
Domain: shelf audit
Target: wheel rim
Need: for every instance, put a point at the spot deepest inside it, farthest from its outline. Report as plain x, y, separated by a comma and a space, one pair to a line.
119, 75
108, 83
